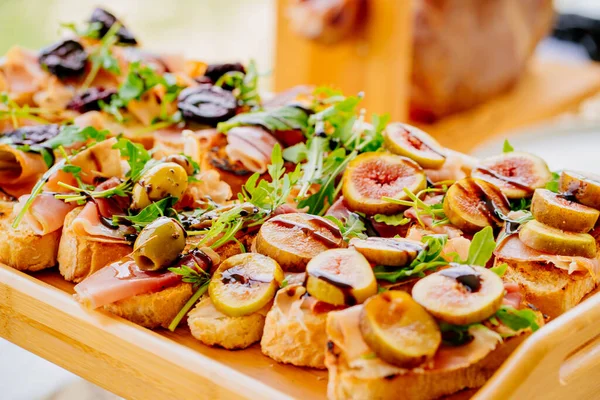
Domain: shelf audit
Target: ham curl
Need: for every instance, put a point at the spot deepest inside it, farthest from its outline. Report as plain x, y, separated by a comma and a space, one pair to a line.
250, 145
99, 161
45, 214
19, 170
121, 280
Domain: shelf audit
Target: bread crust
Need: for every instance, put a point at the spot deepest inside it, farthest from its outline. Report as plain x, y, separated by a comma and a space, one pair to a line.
79, 257
345, 383
152, 310
215, 329
297, 337
552, 290
21, 248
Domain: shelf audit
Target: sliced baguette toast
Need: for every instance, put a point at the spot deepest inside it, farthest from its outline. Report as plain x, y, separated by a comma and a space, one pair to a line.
79, 257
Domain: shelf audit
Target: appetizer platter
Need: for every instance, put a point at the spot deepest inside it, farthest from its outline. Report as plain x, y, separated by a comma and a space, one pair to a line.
168, 233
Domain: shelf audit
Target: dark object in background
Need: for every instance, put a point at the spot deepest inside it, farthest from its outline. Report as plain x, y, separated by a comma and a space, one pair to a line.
579, 29
32, 135
215, 71
206, 104
107, 20
64, 59
89, 100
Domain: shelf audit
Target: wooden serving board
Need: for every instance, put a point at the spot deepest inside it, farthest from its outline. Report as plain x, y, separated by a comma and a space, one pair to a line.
38, 313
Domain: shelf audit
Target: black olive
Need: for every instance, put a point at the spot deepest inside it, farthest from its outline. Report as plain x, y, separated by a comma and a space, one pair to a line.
215, 71
89, 100
64, 59
107, 20
206, 104
31, 135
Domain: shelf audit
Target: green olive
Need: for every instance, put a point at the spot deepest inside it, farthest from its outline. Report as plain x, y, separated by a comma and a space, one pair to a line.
162, 180
181, 160
159, 244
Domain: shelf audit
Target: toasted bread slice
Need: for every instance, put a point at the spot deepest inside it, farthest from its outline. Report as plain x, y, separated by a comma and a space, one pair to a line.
152, 310
552, 290
79, 257
360, 377
21, 248
213, 328
294, 335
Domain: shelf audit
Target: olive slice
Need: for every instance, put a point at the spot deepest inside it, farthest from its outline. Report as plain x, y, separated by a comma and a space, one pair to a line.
340, 277
582, 187
206, 104
516, 174
244, 283
411, 142
371, 176
396, 252
472, 204
461, 294
558, 212
159, 244
161, 181
293, 239
550, 240
399, 330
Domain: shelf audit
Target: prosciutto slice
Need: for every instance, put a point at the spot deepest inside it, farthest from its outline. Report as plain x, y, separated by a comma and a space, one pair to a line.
513, 248
250, 145
121, 280
45, 214
18, 167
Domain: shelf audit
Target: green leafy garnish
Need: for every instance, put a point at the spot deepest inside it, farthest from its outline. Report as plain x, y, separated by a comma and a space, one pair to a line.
102, 56
392, 220
90, 30
553, 184
482, 247
435, 211
245, 86
14, 111
200, 279
428, 259
499, 270
507, 148
148, 214
350, 227
455, 335
137, 157
520, 204
285, 118
518, 319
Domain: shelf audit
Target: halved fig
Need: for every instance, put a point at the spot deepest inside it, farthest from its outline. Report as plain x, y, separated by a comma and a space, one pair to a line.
411, 142
559, 212
293, 239
461, 294
396, 252
582, 187
244, 283
399, 330
472, 204
371, 176
516, 174
340, 277
550, 240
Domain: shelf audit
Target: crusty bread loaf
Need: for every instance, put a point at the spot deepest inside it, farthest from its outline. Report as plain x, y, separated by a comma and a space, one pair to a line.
153, 309
79, 257
294, 335
213, 328
21, 248
418, 384
552, 290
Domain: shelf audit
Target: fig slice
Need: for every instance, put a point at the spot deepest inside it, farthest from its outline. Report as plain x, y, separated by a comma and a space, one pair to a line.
559, 212
371, 176
294, 239
409, 141
461, 294
550, 240
244, 283
472, 204
516, 174
340, 277
582, 187
396, 252
399, 330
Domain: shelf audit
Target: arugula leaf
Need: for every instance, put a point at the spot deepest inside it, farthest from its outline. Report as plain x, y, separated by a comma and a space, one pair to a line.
507, 148
455, 335
285, 118
296, 153
499, 270
351, 227
245, 85
91, 30
553, 185
102, 56
148, 214
518, 319
137, 157
392, 220
435, 211
14, 111
521, 204
482, 247
200, 280
72, 134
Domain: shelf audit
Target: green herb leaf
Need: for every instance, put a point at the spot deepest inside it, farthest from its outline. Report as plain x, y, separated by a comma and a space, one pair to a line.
482, 247
285, 118
296, 153
392, 220
102, 57
137, 157
553, 184
190, 303
500, 269
520, 205
148, 214
72, 134
245, 86
507, 148
90, 30
518, 319
455, 335
351, 227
